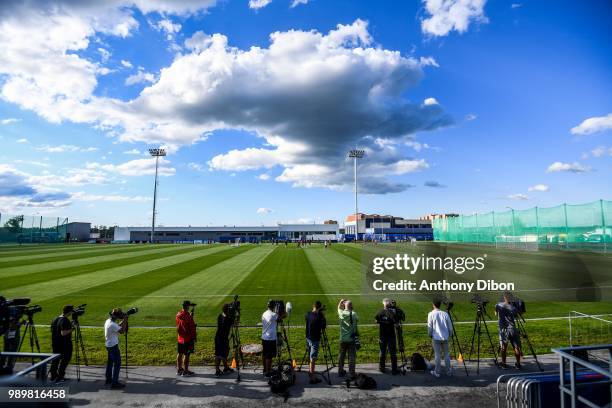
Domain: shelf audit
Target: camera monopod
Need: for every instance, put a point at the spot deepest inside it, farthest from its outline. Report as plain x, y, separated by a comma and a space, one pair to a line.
127, 326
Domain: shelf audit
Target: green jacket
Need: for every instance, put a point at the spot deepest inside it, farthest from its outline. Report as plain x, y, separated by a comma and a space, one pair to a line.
347, 331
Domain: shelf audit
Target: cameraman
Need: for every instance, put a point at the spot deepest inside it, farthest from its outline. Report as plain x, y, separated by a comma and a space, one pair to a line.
349, 337
508, 332
225, 321
439, 328
12, 337
315, 324
186, 337
61, 342
111, 336
269, 320
386, 320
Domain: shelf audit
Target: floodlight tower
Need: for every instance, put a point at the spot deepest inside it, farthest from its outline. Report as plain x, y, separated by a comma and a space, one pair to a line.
157, 153
356, 154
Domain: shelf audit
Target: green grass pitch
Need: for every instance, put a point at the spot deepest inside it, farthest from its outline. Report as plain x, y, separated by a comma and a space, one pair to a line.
156, 279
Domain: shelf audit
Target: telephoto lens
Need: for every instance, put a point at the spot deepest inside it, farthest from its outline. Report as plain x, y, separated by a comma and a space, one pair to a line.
132, 311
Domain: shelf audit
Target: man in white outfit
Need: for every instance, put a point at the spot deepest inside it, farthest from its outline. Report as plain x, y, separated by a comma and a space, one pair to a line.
439, 327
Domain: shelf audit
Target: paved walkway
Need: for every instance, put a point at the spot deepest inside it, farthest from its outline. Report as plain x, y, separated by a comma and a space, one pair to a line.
160, 387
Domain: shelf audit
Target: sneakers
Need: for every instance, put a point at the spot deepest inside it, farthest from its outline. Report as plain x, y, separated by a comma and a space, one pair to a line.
61, 380
433, 372
228, 370
117, 386
180, 372
218, 373
187, 373
342, 373
503, 366
518, 366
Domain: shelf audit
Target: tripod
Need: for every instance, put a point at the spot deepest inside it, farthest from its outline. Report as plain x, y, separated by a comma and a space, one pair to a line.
236, 347
283, 341
399, 334
327, 356
523, 333
80, 347
31, 329
477, 335
126, 349
456, 344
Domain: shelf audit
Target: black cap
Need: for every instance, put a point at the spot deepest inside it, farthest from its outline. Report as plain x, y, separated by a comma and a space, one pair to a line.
68, 309
187, 303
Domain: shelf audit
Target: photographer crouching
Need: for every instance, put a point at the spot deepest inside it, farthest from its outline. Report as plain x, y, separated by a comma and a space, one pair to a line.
61, 343
386, 320
112, 329
186, 338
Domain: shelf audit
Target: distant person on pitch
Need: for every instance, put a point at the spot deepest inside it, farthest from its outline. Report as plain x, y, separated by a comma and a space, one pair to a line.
508, 332
439, 328
61, 343
186, 338
111, 337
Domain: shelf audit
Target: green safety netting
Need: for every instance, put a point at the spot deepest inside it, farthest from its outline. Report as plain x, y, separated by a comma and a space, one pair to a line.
565, 225
24, 229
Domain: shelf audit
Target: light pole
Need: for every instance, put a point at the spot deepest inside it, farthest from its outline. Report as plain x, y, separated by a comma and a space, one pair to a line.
513, 232
157, 153
356, 154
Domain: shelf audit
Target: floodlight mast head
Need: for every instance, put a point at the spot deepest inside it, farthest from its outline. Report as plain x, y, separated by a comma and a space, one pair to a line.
157, 153
356, 154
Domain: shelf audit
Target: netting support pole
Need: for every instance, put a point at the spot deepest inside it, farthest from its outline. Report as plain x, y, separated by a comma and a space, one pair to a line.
566, 226
537, 227
603, 226
477, 232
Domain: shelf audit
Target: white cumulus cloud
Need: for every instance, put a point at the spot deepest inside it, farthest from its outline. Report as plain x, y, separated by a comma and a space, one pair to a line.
539, 187
574, 167
593, 125
263, 210
448, 15
257, 4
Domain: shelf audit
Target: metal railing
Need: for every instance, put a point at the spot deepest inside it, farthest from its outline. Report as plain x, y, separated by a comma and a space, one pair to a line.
40, 368
568, 357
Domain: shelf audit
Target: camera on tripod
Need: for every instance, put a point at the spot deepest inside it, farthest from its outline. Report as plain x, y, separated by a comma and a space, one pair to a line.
233, 309
399, 314
10, 309
277, 306
516, 302
479, 301
78, 311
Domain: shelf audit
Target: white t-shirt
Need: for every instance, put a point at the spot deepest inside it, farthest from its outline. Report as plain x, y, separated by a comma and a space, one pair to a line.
268, 325
111, 333
439, 325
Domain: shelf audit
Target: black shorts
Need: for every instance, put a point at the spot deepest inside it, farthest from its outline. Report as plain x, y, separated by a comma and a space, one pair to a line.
269, 348
186, 348
222, 348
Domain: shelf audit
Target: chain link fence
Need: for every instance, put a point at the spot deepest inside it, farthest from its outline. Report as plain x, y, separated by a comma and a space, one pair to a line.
25, 229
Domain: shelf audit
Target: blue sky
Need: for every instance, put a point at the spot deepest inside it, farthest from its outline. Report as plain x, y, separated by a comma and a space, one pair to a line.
461, 106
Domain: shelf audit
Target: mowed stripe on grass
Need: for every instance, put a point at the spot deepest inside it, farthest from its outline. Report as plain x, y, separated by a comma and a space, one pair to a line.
52, 248
49, 266
123, 292
207, 287
65, 286
34, 259
286, 271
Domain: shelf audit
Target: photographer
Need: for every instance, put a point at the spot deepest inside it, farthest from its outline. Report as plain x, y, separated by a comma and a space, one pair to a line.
508, 332
61, 342
225, 321
439, 328
111, 336
386, 320
12, 337
269, 320
186, 336
315, 324
349, 337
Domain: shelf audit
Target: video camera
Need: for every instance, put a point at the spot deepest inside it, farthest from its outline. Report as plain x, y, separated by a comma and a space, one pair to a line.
132, 311
277, 306
518, 303
78, 311
10, 309
233, 309
479, 300
400, 316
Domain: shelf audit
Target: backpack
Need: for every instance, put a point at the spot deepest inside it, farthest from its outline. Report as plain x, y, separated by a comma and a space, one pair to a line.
417, 362
365, 382
282, 378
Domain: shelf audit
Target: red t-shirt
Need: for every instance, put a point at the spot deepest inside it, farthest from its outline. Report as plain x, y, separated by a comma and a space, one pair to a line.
185, 327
